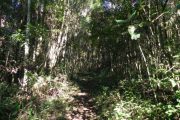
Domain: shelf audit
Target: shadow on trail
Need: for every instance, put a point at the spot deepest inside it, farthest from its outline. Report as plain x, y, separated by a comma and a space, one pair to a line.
93, 82
84, 104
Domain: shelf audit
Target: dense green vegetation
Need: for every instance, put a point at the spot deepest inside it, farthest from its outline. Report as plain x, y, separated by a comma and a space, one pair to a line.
90, 59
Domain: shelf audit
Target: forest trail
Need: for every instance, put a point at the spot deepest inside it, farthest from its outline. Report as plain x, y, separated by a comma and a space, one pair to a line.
83, 106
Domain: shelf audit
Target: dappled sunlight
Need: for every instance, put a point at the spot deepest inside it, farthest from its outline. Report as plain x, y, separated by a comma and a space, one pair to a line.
89, 60
83, 107
46, 98
56, 98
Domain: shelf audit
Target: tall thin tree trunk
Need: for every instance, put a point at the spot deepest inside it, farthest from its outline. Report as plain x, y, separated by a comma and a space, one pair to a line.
0, 19
57, 47
26, 45
145, 60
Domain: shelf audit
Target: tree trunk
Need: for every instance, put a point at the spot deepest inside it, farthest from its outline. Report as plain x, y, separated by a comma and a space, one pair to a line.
26, 47
57, 47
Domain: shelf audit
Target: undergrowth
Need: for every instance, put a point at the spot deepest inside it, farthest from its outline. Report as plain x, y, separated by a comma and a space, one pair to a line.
140, 99
45, 98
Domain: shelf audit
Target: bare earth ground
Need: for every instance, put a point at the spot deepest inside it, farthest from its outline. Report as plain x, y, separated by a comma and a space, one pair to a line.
83, 108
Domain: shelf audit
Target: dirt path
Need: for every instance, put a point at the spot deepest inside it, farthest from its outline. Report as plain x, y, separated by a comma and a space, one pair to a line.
83, 105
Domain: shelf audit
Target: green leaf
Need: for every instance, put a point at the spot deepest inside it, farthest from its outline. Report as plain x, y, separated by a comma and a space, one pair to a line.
135, 36
127, 20
131, 30
121, 21
132, 15
18, 36
173, 83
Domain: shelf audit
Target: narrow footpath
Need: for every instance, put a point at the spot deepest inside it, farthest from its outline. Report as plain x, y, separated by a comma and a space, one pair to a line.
83, 104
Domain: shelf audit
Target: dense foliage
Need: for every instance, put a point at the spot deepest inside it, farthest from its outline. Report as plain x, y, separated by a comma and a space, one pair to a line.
127, 51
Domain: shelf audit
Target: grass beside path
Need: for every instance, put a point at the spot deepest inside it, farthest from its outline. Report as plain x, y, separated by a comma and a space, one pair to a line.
47, 98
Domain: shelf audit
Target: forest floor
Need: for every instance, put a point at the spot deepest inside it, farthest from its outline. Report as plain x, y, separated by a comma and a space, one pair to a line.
50, 98
67, 99
83, 107
82, 97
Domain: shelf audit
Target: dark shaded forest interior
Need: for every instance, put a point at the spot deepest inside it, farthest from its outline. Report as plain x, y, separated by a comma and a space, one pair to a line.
89, 60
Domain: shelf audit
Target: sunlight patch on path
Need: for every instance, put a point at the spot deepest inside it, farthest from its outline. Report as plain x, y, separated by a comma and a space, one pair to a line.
83, 108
